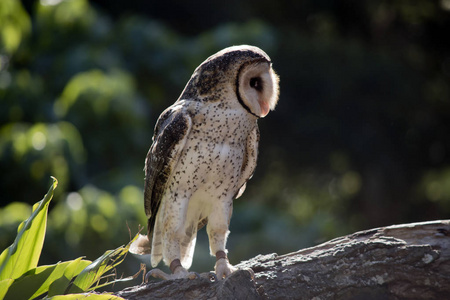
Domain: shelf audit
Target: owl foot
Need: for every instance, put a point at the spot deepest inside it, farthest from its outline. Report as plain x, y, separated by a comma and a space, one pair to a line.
178, 272
223, 267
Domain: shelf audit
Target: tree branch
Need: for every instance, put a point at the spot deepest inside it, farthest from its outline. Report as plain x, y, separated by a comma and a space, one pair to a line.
409, 261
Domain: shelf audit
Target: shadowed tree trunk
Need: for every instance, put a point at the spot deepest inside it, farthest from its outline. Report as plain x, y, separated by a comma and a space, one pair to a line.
409, 261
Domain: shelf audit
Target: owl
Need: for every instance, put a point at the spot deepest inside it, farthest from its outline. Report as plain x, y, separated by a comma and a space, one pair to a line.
204, 151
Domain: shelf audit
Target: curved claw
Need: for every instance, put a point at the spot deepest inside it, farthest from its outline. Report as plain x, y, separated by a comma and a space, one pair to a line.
157, 273
147, 276
252, 273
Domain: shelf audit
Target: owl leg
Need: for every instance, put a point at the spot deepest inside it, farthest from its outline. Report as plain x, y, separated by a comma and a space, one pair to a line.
171, 255
217, 229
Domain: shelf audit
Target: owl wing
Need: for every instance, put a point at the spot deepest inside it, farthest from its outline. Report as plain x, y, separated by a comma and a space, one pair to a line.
171, 131
250, 158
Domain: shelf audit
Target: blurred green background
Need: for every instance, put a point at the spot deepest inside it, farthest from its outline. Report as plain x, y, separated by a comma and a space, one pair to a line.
360, 138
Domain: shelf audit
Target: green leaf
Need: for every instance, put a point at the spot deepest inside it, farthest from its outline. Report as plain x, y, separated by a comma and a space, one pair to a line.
4, 286
34, 282
60, 285
93, 273
37, 281
24, 253
91, 296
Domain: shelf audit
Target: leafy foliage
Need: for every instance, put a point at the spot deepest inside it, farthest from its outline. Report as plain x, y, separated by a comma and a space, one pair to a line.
21, 278
24, 253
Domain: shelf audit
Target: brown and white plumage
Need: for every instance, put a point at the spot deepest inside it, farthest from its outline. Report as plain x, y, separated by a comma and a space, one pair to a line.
204, 151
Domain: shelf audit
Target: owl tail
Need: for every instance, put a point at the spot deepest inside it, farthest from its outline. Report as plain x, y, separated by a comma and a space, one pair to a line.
155, 237
141, 245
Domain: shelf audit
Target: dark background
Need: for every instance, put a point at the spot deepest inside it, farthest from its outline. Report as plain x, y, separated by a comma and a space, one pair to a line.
360, 138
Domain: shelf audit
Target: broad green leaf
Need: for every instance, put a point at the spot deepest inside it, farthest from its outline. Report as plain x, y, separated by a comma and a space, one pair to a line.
37, 281
24, 253
4, 286
93, 273
34, 282
90, 296
60, 285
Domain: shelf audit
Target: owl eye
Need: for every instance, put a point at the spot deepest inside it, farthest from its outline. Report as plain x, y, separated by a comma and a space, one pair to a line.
256, 83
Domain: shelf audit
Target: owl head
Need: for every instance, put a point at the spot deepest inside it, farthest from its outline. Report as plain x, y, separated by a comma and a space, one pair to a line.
245, 71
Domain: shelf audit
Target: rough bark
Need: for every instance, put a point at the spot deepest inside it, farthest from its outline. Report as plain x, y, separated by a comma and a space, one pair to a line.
409, 261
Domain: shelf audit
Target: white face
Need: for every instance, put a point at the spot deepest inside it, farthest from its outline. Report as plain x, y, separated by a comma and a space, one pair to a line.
258, 88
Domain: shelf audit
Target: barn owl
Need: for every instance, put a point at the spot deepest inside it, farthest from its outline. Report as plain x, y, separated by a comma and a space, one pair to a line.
203, 153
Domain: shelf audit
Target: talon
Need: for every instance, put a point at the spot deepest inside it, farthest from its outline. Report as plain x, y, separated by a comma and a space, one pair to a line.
157, 273
252, 273
147, 276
